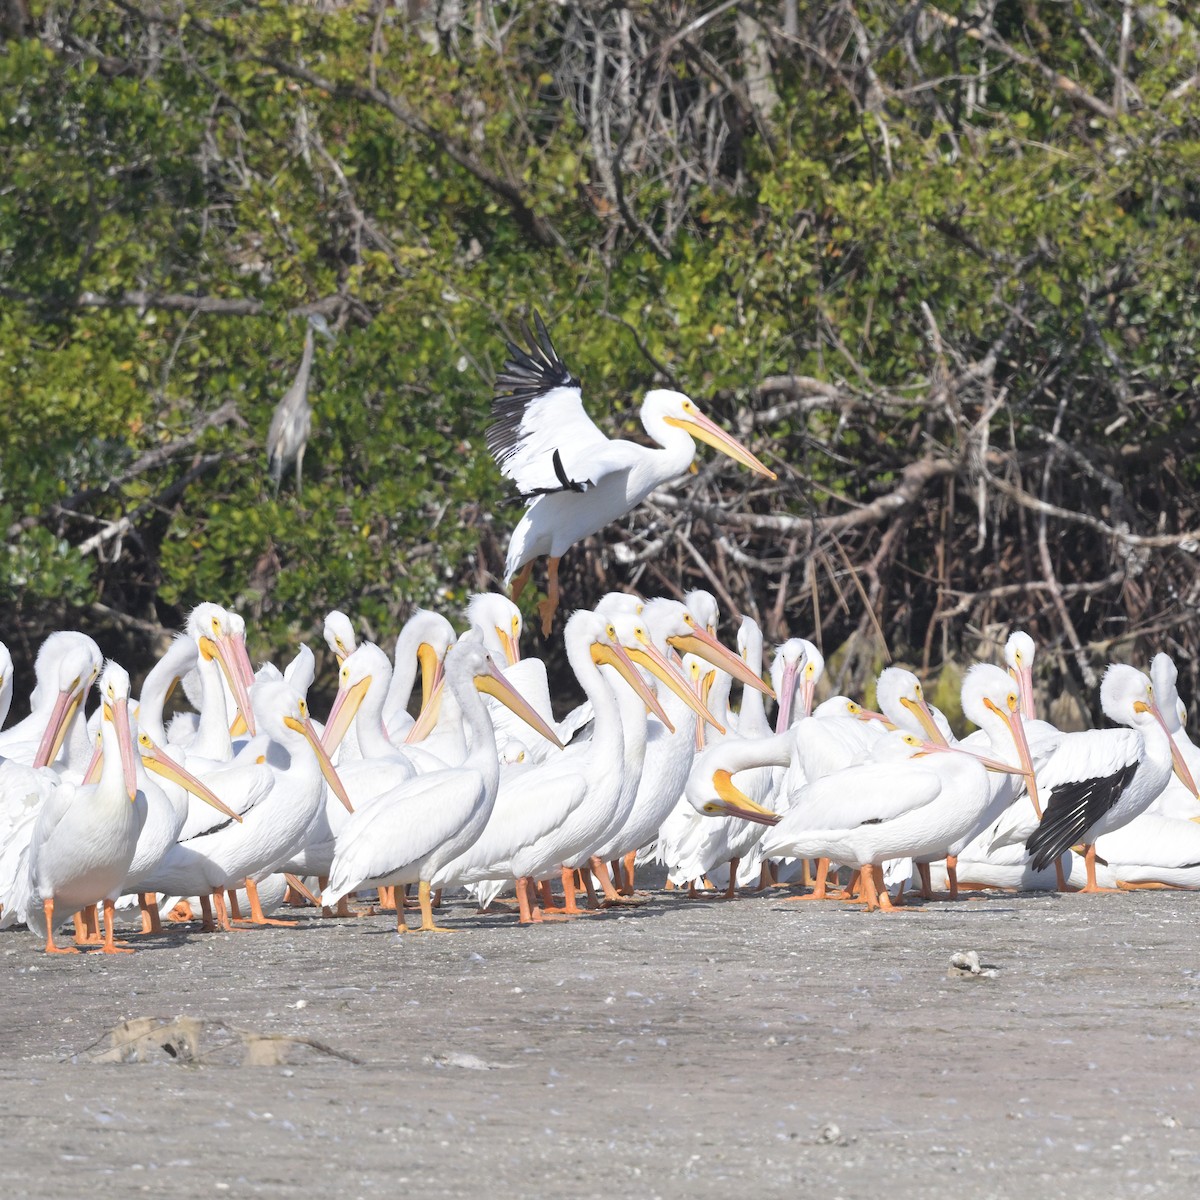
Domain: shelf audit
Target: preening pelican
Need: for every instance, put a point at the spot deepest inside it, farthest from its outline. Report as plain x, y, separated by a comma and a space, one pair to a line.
574, 479
66, 667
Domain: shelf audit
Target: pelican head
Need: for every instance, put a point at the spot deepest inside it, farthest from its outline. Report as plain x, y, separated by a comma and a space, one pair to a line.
284, 714
1019, 653
499, 620
66, 667
359, 672
338, 632
220, 635
676, 409
902, 700
1127, 697
115, 730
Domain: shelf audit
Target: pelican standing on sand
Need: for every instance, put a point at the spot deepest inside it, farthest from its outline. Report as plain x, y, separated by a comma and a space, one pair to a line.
86, 836
574, 479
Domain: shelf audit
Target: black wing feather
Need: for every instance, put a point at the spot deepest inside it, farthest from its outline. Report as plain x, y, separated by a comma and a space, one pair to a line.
527, 375
1072, 809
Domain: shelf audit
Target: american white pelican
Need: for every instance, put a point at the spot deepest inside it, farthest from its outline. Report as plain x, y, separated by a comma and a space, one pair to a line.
278, 801
499, 623
669, 625
338, 632
66, 666
220, 637
422, 644
166, 811
408, 835
574, 478
1019, 653
991, 700
901, 699
796, 670
1100, 779
1153, 851
1175, 800
915, 798
86, 835
551, 816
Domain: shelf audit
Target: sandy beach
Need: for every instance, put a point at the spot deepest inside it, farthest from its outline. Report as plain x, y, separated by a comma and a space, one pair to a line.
674, 1049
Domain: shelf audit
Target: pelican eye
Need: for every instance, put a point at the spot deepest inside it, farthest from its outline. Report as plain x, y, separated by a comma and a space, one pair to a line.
216, 624
516, 624
711, 808
1012, 701
303, 709
852, 707
611, 631
144, 740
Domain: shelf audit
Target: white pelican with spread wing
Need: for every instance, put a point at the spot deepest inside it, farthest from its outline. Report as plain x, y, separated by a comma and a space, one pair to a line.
574, 479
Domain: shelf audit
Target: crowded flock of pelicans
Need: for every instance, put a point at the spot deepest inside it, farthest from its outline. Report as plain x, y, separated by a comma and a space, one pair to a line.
246, 800
241, 794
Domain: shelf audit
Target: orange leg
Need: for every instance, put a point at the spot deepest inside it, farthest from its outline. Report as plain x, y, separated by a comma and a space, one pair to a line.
222, 913
611, 894
548, 607
952, 874
426, 899
853, 892
820, 883
401, 923
630, 863
926, 882
148, 903
235, 912
730, 892
110, 922
530, 914
256, 913
207, 924
568, 883
883, 900
87, 926
518, 584
1089, 859
1060, 877
547, 894
51, 948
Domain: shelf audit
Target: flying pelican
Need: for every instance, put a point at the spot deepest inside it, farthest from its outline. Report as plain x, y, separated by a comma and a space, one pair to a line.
409, 834
292, 421
574, 479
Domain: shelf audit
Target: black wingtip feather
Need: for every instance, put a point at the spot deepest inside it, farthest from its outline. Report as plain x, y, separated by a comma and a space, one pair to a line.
528, 373
1072, 809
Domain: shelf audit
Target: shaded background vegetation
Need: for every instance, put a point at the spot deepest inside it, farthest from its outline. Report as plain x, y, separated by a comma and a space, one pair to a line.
937, 264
